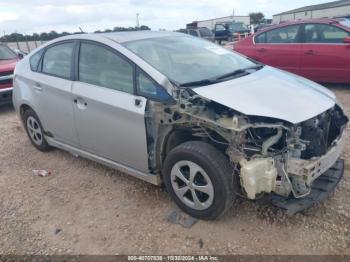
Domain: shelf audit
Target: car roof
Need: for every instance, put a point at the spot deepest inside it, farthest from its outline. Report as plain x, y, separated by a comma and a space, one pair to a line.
122, 37
296, 22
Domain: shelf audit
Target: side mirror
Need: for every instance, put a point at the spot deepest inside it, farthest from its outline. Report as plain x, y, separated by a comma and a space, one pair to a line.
347, 40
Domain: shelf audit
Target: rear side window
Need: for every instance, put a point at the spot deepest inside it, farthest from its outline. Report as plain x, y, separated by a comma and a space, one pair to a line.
322, 33
284, 35
57, 60
102, 67
205, 32
35, 59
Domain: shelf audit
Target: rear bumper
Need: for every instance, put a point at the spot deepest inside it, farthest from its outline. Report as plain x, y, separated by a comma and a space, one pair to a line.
6, 95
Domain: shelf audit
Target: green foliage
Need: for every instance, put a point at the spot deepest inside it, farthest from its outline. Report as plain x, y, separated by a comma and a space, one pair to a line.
256, 18
53, 34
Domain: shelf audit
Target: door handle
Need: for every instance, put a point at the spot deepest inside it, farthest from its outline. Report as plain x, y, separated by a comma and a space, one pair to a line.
261, 50
310, 52
37, 87
138, 102
81, 104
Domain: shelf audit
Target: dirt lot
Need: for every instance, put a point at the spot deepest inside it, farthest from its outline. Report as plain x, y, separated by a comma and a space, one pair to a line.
86, 208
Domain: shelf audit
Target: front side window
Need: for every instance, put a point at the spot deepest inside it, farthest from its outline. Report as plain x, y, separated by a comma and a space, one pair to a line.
6, 53
186, 59
102, 67
57, 60
260, 39
322, 33
284, 35
219, 28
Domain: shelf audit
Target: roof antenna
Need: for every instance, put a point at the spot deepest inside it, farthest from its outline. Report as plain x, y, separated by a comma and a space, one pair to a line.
81, 30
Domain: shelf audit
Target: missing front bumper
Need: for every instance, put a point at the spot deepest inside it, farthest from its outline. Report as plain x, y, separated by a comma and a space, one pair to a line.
321, 188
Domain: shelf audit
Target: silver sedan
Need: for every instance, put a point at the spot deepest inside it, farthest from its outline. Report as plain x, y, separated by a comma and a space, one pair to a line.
169, 108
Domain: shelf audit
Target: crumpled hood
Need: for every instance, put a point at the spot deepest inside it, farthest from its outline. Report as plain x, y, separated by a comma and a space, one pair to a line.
271, 92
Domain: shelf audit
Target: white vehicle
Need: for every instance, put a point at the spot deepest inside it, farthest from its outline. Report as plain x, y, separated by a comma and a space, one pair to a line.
174, 109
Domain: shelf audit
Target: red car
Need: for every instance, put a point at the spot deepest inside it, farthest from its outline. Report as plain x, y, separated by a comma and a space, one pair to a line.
8, 60
318, 49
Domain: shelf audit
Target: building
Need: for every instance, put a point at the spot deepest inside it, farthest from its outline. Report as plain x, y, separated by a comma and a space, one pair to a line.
210, 23
327, 10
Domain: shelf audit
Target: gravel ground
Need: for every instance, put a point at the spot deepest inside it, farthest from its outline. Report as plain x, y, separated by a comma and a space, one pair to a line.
86, 208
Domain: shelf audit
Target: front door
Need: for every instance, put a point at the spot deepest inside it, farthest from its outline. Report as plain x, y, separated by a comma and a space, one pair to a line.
279, 48
109, 117
325, 56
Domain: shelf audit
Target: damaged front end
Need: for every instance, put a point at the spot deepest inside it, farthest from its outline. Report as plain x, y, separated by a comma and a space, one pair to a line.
268, 155
294, 157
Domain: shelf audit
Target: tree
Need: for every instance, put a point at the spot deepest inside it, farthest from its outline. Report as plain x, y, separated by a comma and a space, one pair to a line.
53, 34
144, 27
256, 18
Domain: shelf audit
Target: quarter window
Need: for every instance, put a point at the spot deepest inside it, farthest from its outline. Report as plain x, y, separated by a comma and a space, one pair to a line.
35, 59
57, 60
285, 35
146, 86
322, 33
102, 67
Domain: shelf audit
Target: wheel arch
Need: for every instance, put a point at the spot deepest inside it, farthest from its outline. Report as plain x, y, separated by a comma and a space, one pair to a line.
178, 136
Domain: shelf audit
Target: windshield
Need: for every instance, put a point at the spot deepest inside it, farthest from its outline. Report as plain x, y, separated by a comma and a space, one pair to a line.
187, 59
345, 22
6, 53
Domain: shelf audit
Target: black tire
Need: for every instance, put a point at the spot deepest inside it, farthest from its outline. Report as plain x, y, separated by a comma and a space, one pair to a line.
41, 144
216, 167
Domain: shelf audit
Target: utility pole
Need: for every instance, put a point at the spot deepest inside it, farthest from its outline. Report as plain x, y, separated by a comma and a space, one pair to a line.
137, 20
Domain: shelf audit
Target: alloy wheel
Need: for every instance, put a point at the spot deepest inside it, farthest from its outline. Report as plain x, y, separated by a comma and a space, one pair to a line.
192, 185
34, 130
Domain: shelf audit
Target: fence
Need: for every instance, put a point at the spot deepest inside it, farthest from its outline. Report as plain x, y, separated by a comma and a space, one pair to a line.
25, 46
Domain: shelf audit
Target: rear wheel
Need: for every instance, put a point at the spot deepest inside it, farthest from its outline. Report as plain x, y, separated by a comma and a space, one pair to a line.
35, 131
200, 179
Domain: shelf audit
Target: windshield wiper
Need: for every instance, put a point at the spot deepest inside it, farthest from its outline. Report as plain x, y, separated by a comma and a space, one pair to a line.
240, 71
215, 80
203, 82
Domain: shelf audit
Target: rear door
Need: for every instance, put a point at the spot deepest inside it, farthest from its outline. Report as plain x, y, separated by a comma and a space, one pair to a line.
51, 92
280, 48
325, 56
109, 117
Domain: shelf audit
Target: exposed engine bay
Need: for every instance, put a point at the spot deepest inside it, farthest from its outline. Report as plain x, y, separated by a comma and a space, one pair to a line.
268, 154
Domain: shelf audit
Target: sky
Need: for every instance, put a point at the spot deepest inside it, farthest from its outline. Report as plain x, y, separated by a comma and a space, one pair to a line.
36, 16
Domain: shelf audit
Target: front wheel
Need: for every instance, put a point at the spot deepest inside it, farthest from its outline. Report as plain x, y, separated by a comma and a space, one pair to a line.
199, 179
